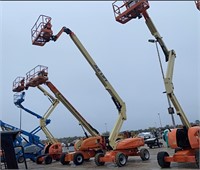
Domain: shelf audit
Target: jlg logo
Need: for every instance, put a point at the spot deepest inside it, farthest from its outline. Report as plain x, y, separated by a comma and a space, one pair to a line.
100, 73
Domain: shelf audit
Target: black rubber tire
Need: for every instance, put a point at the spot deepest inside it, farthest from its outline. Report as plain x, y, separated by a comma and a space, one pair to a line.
120, 159
197, 158
78, 158
62, 159
97, 159
100, 151
48, 160
20, 159
144, 154
161, 159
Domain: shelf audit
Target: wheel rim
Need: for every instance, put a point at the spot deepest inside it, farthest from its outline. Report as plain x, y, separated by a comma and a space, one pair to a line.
122, 159
146, 155
79, 158
21, 159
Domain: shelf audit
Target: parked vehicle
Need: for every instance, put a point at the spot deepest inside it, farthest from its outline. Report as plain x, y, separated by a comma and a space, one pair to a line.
146, 135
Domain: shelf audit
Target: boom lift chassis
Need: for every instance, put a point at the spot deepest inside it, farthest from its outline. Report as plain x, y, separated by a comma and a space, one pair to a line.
186, 138
119, 152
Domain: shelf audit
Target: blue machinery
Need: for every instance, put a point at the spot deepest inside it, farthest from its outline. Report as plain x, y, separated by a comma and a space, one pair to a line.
33, 140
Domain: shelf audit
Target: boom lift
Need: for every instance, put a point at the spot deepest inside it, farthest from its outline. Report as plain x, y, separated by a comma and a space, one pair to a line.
186, 138
42, 33
84, 148
31, 140
53, 149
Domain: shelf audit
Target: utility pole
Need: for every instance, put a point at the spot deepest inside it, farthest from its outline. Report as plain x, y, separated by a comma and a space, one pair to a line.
160, 120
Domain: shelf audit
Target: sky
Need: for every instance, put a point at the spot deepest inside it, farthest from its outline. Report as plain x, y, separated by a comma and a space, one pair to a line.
121, 51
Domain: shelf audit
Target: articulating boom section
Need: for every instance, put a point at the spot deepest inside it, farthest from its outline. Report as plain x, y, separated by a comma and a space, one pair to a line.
170, 58
46, 30
139, 8
54, 103
41, 74
36, 77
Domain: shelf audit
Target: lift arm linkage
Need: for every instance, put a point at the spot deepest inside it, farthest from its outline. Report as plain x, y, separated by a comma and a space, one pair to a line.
43, 124
169, 90
19, 98
170, 58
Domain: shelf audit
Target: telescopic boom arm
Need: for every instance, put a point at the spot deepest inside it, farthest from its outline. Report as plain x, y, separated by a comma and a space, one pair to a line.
115, 97
42, 33
75, 113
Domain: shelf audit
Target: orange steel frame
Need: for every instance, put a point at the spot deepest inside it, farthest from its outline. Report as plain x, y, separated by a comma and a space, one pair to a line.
18, 84
125, 13
43, 23
36, 76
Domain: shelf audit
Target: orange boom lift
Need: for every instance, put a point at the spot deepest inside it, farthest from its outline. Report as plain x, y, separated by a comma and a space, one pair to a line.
119, 151
185, 140
40, 76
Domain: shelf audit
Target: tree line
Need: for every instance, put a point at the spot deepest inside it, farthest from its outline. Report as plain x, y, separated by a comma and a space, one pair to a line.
69, 141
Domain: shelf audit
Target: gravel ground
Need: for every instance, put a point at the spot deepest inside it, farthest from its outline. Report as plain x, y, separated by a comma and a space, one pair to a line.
133, 163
